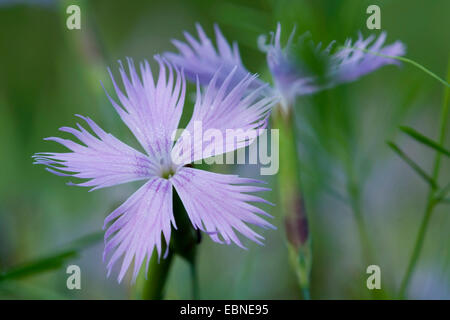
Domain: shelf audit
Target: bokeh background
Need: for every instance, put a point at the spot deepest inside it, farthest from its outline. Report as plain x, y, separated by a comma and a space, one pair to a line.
49, 73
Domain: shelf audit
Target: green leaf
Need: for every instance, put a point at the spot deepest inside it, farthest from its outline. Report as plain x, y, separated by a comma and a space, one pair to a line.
44, 264
424, 140
52, 261
412, 164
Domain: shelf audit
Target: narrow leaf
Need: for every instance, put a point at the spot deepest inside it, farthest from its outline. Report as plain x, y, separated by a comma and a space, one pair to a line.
412, 164
52, 261
424, 140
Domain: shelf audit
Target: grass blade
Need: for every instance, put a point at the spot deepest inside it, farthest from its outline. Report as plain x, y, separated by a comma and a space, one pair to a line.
52, 261
412, 164
424, 140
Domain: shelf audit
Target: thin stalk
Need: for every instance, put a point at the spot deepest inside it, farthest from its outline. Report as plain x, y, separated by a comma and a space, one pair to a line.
194, 280
157, 276
417, 248
431, 196
292, 202
185, 242
366, 247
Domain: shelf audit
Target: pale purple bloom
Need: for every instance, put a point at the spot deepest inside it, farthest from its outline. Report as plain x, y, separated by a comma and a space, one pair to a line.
224, 108
345, 65
216, 203
349, 64
290, 79
200, 59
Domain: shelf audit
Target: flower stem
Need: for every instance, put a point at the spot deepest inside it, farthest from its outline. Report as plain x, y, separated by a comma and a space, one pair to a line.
185, 242
157, 277
194, 279
293, 207
431, 200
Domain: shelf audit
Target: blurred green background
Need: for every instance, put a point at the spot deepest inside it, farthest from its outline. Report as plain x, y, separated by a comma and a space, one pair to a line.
49, 73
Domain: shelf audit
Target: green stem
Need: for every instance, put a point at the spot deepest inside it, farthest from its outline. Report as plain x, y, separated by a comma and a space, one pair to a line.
194, 280
292, 204
417, 249
157, 277
431, 196
185, 242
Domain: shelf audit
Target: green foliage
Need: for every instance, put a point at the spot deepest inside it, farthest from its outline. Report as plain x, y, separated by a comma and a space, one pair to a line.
424, 140
52, 261
421, 172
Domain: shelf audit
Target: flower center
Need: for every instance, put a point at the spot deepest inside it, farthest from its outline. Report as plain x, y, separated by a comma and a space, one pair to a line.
167, 168
168, 173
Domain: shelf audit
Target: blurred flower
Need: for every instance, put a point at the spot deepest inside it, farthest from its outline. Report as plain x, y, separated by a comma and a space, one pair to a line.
200, 59
216, 203
291, 72
297, 69
302, 68
349, 64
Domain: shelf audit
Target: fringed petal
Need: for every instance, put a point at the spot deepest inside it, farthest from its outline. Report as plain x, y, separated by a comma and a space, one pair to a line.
151, 109
292, 76
201, 60
103, 159
225, 118
137, 226
219, 205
